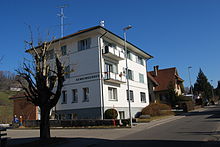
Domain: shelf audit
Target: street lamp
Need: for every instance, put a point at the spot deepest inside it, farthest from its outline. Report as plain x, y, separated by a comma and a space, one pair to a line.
126, 58
190, 81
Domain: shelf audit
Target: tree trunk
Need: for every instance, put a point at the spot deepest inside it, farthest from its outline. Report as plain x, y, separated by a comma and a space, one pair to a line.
45, 123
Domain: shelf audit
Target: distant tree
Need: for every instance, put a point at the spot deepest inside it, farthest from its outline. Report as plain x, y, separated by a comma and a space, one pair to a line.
203, 87
7, 79
44, 83
217, 90
172, 95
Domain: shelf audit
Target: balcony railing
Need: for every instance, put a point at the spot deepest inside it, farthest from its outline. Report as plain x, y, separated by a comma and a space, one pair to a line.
114, 77
113, 53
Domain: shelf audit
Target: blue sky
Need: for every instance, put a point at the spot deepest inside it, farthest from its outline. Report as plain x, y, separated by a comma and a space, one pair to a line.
178, 33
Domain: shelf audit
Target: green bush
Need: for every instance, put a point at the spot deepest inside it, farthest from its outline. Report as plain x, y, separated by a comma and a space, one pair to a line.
157, 109
111, 114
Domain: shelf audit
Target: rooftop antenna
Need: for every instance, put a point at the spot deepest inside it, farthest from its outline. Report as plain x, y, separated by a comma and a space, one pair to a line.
102, 23
62, 16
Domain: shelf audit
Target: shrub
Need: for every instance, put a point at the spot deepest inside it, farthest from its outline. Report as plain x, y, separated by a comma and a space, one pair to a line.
111, 114
157, 109
187, 106
185, 98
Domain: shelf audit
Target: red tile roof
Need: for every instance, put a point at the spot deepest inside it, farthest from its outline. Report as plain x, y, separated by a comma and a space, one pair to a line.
152, 79
165, 77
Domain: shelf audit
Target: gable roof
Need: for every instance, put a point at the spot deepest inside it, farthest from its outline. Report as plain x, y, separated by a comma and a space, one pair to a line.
152, 79
165, 77
96, 28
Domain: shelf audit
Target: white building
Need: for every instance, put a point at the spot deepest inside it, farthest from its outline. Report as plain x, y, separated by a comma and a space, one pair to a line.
95, 61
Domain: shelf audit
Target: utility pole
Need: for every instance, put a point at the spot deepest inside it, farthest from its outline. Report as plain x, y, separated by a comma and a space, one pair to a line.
128, 89
190, 80
62, 16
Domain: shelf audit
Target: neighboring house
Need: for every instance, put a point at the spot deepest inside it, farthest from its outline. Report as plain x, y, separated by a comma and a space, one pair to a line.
23, 108
166, 79
152, 84
15, 87
94, 61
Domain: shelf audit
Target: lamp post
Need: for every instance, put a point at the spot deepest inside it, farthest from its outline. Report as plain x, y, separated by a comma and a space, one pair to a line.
190, 80
126, 58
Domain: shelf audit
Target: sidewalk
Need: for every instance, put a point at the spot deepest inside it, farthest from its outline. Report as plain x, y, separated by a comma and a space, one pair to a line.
81, 137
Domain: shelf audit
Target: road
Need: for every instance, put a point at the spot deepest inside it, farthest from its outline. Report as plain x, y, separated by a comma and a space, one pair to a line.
198, 128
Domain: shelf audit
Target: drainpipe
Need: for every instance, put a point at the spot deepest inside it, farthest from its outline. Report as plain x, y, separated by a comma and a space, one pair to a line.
100, 68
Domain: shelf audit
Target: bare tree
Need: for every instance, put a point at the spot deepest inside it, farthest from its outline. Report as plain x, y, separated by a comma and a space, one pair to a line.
44, 83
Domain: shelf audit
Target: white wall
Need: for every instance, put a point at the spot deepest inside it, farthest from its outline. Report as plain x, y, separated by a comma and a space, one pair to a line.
85, 66
135, 85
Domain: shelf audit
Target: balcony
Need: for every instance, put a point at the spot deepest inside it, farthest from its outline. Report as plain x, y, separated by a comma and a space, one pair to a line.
113, 53
114, 77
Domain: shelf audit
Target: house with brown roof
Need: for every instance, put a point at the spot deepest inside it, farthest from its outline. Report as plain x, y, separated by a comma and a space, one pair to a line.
23, 108
152, 84
166, 79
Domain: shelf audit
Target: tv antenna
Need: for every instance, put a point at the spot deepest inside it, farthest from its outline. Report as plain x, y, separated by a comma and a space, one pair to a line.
62, 16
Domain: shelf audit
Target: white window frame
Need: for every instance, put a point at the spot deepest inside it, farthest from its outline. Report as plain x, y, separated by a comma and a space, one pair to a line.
86, 94
112, 94
130, 75
64, 97
74, 96
131, 95
63, 50
143, 99
141, 78
84, 44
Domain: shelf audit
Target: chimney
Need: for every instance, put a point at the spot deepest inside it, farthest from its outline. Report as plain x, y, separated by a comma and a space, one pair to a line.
156, 70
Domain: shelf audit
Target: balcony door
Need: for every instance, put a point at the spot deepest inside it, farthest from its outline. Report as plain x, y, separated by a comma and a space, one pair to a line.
110, 67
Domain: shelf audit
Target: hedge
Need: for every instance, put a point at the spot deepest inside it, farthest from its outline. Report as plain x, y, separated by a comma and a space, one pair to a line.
157, 109
77, 123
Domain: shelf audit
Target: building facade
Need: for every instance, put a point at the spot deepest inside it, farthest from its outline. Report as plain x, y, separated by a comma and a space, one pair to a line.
95, 78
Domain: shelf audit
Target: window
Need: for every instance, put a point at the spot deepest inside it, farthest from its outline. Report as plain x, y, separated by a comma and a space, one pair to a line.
63, 50
75, 96
131, 95
64, 97
67, 72
130, 74
112, 94
69, 116
143, 97
84, 44
121, 114
140, 60
106, 43
129, 55
50, 54
141, 78
111, 67
85, 94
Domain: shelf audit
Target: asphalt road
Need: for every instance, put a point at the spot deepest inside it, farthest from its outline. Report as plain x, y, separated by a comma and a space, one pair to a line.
198, 128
